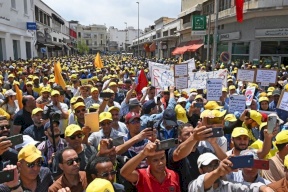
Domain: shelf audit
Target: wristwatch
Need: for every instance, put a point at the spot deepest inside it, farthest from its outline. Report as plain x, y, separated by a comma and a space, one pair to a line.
15, 187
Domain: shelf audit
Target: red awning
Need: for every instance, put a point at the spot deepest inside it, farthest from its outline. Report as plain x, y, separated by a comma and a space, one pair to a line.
179, 50
194, 47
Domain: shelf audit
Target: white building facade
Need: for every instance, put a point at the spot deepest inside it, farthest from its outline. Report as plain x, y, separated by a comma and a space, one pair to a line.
15, 40
120, 40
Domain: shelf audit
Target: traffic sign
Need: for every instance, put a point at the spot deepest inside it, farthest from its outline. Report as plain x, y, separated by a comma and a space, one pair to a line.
225, 57
43, 49
199, 22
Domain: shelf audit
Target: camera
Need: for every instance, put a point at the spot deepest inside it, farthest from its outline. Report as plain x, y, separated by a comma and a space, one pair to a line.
50, 113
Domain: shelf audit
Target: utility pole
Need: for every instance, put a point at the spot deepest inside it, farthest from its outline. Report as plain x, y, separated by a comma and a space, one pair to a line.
215, 34
138, 54
208, 39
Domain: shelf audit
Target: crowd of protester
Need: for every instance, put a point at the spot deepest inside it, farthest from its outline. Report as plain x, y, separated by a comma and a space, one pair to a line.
61, 153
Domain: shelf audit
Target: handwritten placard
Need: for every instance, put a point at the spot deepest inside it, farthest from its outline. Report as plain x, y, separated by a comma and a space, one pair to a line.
237, 103
246, 75
181, 82
181, 70
249, 94
268, 76
214, 89
283, 101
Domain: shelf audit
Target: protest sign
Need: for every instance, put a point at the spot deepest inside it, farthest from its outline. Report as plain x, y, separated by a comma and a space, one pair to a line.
181, 76
214, 89
265, 76
249, 95
246, 75
161, 75
283, 101
92, 121
237, 103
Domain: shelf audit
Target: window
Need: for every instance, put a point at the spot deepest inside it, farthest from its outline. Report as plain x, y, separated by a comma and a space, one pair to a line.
95, 42
36, 13
13, 4
224, 4
25, 7
79, 34
55, 39
45, 19
41, 17
87, 42
101, 43
172, 31
240, 48
16, 49
187, 19
101, 36
60, 40
28, 50
274, 47
48, 20
165, 33
208, 8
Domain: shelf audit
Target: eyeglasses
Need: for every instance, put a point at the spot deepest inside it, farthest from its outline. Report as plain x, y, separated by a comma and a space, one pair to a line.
106, 174
82, 110
33, 164
4, 126
104, 124
71, 161
73, 137
135, 122
212, 166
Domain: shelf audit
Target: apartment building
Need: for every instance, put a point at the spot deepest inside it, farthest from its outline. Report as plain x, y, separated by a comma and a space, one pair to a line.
261, 36
95, 37
159, 39
52, 31
15, 40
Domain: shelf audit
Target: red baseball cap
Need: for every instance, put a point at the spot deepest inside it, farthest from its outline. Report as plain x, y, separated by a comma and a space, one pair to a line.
131, 116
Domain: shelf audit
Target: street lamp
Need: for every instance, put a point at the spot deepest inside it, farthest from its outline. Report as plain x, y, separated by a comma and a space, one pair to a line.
138, 29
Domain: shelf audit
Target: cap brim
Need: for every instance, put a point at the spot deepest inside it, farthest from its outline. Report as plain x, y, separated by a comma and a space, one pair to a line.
33, 157
170, 123
105, 119
208, 161
136, 117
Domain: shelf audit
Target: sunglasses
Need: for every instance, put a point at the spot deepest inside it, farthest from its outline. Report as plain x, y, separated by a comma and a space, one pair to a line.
135, 122
106, 174
4, 126
73, 137
82, 110
71, 161
104, 124
33, 164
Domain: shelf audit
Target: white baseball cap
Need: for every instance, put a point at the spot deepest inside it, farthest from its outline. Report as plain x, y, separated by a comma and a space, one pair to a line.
205, 159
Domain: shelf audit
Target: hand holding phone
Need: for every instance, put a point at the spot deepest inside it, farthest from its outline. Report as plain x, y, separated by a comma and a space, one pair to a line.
271, 123
244, 161
166, 144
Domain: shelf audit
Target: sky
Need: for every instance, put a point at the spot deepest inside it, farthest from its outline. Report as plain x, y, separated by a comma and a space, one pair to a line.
115, 12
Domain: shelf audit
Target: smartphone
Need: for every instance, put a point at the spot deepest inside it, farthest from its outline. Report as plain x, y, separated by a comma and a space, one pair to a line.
6, 176
116, 142
215, 120
217, 132
199, 105
166, 144
245, 161
16, 139
106, 94
261, 164
150, 124
271, 123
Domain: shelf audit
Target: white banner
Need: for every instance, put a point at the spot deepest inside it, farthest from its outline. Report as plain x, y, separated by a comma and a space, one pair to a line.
163, 76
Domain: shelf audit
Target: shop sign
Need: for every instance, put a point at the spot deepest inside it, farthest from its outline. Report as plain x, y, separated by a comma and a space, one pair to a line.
229, 36
280, 32
199, 22
198, 33
31, 26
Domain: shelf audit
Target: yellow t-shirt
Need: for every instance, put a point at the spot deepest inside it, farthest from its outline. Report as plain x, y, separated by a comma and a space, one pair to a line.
37, 90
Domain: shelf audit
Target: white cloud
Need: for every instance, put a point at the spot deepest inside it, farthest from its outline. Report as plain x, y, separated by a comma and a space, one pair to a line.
115, 12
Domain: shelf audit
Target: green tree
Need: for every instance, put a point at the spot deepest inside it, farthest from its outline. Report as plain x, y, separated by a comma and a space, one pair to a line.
82, 47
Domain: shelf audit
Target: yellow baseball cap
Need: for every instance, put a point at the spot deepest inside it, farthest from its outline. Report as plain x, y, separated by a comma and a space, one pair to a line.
108, 91
45, 89
105, 116
78, 104
29, 153
193, 90
198, 97
100, 185
55, 92
94, 106
113, 108
224, 89
230, 117
269, 94
270, 89
256, 116
71, 129
94, 89
177, 94
36, 110
11, 75
29, 83
232, 87
112, 84
238, 131
212, 105
282, 137
262, 125
263, 99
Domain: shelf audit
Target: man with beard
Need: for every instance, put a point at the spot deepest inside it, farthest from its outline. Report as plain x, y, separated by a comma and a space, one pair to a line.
240, 139
36, 131
46, 147
72, 177
44, 99
7, 154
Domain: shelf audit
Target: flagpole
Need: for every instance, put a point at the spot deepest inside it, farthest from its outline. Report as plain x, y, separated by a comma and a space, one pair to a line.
138, 31
215, 35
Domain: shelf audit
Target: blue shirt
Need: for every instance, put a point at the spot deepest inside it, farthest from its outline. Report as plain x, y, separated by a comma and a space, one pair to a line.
238, 177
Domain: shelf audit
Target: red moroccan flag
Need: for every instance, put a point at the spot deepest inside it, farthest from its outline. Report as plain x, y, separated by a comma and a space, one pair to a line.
142, 81
239, 10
